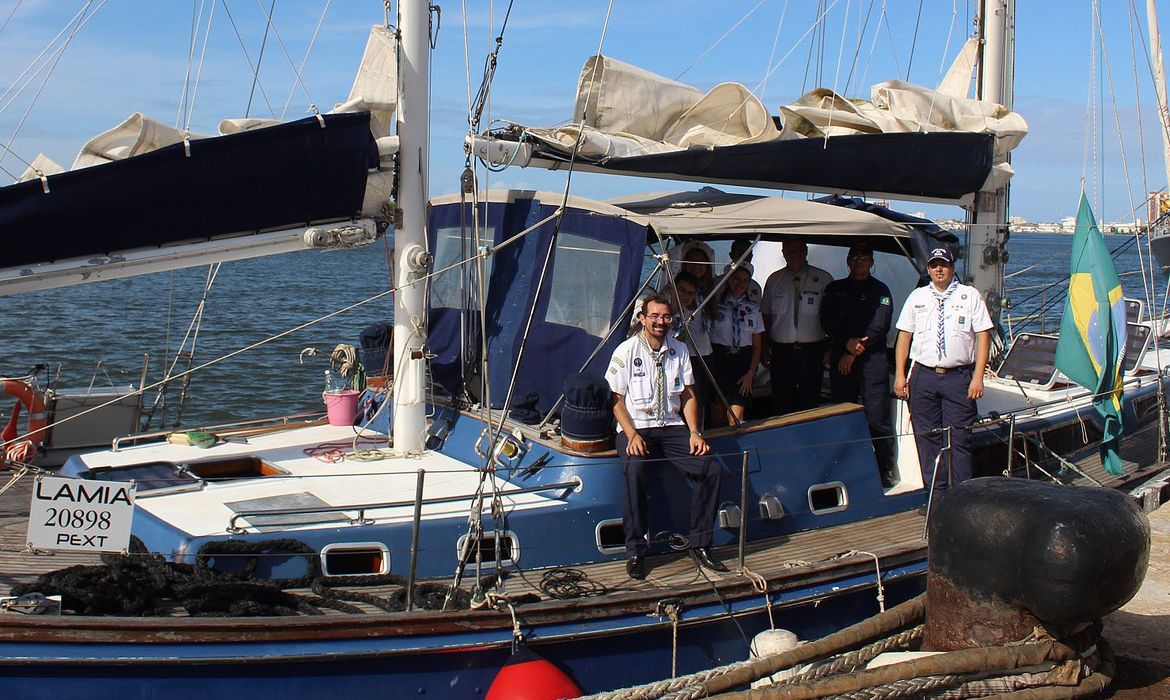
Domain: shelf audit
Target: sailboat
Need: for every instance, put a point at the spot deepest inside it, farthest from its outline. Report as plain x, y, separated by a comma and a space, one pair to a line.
452, 532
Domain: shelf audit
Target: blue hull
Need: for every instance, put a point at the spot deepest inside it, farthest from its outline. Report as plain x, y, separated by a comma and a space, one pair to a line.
598, 656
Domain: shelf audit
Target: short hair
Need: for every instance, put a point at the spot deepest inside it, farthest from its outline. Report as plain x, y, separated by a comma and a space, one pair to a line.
655, 299
859, 249
742, 244
687, 278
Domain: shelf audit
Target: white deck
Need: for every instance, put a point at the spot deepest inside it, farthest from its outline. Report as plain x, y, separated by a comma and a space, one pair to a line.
205, 512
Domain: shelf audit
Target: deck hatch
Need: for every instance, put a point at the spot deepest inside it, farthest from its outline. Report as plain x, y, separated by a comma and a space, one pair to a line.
254, 507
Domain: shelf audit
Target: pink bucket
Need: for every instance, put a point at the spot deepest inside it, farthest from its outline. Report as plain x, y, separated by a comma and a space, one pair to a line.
341, 406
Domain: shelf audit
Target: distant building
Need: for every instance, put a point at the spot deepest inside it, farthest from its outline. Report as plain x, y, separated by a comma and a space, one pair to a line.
1156, 205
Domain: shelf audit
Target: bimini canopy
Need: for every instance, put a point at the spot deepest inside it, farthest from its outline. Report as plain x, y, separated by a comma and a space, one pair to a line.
596, 253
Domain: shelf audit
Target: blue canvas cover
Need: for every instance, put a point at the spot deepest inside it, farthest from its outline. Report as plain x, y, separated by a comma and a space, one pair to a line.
603, 251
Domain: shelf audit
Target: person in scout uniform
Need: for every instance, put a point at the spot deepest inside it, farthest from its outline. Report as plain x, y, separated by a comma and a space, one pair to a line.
856, 314
792, 316
945, 329
657, 416
736, 343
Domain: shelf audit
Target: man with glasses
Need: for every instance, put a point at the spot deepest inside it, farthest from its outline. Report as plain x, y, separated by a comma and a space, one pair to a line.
945, 329
856, 313
658, 421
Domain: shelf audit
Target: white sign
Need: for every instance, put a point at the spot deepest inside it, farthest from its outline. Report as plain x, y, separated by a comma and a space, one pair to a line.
80, 514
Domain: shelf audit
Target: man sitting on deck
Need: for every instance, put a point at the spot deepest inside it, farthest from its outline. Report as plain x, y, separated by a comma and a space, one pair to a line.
653, 390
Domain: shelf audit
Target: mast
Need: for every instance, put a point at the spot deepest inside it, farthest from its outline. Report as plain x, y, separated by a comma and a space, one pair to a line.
987, 220
1159, 85
410, 251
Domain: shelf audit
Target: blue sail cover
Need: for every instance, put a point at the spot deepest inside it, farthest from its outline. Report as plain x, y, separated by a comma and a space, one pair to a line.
286, 175
593, 272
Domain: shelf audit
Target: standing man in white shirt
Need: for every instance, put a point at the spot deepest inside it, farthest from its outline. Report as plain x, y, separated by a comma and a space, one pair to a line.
658, 420
792, 316
945, 329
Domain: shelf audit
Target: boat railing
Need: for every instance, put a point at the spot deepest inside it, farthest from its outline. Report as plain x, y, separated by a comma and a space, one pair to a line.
418, 501
1045, 292
241, 428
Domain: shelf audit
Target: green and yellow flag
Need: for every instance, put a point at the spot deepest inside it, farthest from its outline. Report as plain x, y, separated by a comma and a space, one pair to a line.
1092, 332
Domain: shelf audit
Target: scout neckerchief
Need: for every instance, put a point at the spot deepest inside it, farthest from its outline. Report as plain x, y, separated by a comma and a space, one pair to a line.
941, 298
659, 357
739, 311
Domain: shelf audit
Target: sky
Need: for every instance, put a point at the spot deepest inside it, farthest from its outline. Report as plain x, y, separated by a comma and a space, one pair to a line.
139, 56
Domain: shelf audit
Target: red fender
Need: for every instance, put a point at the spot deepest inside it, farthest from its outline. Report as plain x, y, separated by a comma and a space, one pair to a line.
22, 448
529, 676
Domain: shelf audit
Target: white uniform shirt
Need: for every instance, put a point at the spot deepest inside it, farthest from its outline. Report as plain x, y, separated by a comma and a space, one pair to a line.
780, 293
753, 291
696, 334
964, 315
633, 373
737, 321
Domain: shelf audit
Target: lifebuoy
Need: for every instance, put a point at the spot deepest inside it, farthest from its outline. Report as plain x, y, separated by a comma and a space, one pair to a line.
22, 448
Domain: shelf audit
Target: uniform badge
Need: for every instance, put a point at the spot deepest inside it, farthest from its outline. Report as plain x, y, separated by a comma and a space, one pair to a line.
637, 362
613, 370
885, 301
962, 320
672, 352
964, 296
816, 279
618, 361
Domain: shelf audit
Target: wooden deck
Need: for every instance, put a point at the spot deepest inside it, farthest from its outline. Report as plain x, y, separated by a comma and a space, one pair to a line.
817, 554
786, 562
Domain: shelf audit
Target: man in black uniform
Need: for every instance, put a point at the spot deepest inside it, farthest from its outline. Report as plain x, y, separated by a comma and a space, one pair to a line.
856, 314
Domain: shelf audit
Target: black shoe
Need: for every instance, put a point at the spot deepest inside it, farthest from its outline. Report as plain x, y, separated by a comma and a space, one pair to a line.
708, 560
636, 566
887, 480
921, 510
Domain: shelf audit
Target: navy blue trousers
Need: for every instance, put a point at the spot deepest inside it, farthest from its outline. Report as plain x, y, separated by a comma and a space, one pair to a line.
796, 376
669, 445
938, 401
868, 383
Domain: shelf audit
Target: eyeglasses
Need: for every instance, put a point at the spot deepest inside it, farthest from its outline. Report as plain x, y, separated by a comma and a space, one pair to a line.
665, 318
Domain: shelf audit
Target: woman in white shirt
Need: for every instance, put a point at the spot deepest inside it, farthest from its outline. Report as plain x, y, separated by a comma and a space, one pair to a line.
736, 342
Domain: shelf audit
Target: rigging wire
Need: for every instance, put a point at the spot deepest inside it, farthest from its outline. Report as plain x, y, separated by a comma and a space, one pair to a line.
196, 22
297, 78
199, 71
308, 52
717, 42
255, 68
52, 66
775, 43
9, 17
914, 40
259, 61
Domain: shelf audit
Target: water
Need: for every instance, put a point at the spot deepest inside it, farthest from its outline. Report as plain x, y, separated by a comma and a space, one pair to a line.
97, 333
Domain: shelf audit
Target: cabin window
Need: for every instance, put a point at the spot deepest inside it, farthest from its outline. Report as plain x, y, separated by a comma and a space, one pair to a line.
584, 277
827, 498
355, 559
447, 287
611, 536
509, 549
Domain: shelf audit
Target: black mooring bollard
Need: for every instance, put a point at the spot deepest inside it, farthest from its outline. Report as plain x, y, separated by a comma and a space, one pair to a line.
1008, 554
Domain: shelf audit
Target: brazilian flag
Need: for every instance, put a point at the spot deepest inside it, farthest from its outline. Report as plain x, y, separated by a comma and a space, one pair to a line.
1092, 332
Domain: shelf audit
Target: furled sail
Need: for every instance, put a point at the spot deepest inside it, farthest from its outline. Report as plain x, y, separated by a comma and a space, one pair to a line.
141, 191
637, 122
